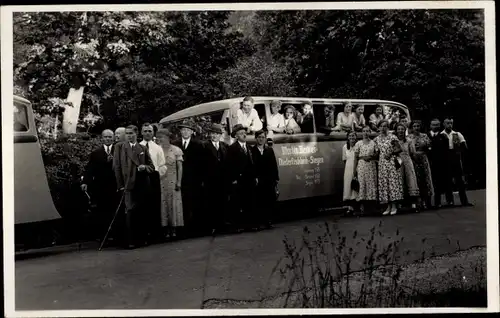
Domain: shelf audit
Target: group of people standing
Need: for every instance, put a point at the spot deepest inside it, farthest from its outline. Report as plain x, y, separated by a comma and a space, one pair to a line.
184, 187
404, 167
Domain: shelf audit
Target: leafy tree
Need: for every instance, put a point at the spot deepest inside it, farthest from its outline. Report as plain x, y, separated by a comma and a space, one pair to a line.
174, 65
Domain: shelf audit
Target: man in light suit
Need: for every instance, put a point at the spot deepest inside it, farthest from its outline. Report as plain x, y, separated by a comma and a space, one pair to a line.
242, 179
99, 180
132, 165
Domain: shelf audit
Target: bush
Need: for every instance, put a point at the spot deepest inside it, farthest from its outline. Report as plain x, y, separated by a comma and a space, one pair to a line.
65, 159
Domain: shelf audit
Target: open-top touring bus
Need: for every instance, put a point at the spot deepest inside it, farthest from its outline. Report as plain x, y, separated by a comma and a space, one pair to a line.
310, 164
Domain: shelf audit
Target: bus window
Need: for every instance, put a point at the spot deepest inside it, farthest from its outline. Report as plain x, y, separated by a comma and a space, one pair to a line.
305, 118
20, 118
324, 117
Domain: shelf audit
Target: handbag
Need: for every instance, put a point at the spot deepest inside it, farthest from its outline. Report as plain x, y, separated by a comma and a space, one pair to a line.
355, 184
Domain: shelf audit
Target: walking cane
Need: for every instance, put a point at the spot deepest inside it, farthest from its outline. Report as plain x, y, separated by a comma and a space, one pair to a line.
114, 217
112, 221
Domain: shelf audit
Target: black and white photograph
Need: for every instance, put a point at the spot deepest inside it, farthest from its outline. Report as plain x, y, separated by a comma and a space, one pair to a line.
243, 157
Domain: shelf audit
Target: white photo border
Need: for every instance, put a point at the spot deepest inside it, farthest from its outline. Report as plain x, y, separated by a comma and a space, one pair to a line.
491, 145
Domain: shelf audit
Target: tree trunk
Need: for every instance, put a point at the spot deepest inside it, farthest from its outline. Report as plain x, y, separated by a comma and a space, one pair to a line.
72, 113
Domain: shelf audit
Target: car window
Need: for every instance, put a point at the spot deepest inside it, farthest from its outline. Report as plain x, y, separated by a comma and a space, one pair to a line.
20, 118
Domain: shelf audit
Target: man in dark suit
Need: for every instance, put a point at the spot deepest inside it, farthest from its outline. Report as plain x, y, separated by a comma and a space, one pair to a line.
436, 160
99, 181
132, 165
242, 178
266, 168
192, 177
215, 179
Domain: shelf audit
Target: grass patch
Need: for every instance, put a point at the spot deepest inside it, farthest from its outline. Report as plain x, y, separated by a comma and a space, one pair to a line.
333, 270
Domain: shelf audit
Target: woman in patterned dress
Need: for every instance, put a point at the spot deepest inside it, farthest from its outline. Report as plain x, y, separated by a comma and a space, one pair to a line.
421, 143
348, 158
171, 209
390, 181
366, 169
407, 169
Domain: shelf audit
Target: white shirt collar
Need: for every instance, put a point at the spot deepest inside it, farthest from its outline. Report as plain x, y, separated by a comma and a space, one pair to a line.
243, 144
451, 132
132, 143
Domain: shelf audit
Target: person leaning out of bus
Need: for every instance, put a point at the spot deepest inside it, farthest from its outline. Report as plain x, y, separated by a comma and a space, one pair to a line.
390, 180
248, 117
348, 156
359, 121
276, 122
291, 126
365, 170
375, 118
306, 118
266, 168
345, 119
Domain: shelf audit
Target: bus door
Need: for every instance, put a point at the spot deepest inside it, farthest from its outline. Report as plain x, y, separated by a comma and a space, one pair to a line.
32, 198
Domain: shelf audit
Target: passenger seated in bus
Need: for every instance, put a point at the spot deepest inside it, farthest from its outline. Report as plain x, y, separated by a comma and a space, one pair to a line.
306, 119
18, 125
345, 119
248, 117
276, 123
376, 118
329, 111
291, 126
358, 119
393, 118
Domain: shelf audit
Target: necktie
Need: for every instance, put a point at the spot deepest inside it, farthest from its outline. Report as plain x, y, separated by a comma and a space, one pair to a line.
184, 145
245, 149
216, 146
147, 145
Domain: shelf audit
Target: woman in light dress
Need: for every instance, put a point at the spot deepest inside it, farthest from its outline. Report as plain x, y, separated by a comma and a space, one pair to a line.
291, 126
366, 152
390, 181
358, 121
171, 209
345, 119
421, 143
410, 184
348, 156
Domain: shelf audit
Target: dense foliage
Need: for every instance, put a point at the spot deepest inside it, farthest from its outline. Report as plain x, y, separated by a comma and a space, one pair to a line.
141, 66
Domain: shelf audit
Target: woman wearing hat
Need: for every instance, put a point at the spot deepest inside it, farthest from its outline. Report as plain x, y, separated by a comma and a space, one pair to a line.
291, 126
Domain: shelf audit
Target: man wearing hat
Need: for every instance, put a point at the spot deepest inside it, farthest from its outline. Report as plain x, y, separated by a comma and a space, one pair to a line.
242, 178
192, 175
215, 178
